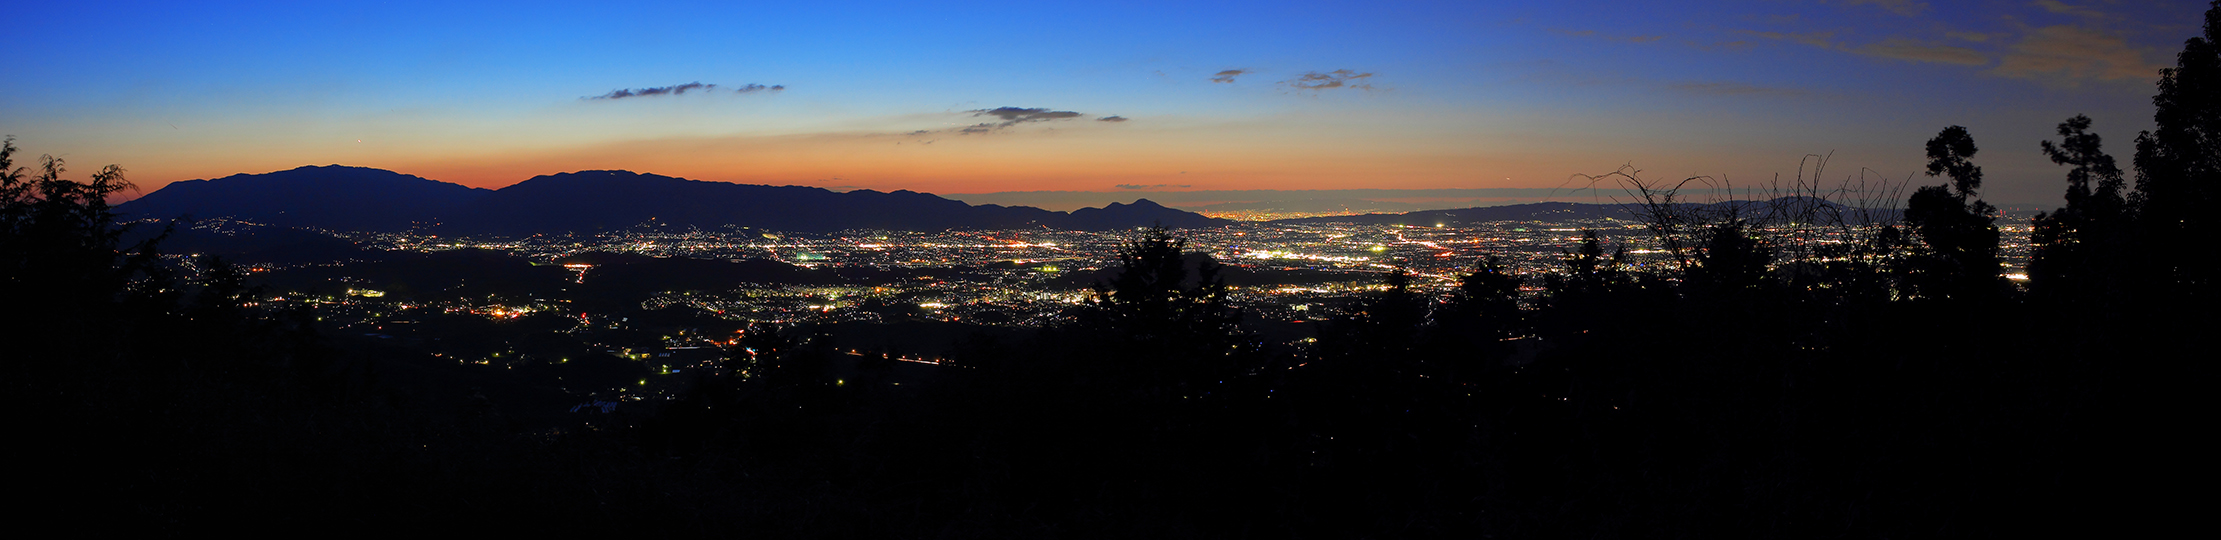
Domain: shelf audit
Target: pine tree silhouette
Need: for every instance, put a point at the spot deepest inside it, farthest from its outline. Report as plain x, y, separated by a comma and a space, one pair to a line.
1956, 227
2177, 163
2079, 248
1171, 324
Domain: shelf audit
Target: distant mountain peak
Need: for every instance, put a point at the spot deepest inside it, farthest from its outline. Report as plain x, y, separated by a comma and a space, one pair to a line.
325, 196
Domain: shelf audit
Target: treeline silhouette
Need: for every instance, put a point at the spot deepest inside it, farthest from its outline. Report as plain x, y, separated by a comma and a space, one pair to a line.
1889, 383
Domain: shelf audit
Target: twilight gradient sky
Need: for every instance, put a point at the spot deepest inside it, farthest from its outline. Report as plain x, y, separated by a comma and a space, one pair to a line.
885, 95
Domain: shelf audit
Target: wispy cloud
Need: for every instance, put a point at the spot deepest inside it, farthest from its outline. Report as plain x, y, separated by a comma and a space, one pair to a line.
1816, 39
2066, 53
1011, 116
1113, 118
1901, 7
623, 93
1896, 48
1340, 78
1020, 115
2063, 8
1906, 49
682, 89
1228, 76
1593, 33
1151, 186
1729, 88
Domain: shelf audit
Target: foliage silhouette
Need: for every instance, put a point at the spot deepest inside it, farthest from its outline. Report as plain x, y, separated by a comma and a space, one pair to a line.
2177, 162
1957, 228
2079, 247
1165, 317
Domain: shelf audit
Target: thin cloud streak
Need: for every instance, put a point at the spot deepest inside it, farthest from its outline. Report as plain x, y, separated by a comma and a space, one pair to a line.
2063, 8
1593, 33
1737, 89
2075, 53
1340, 78
623, 93
682, 89
1906, 49
1012, 116
1817, 39
1901, 7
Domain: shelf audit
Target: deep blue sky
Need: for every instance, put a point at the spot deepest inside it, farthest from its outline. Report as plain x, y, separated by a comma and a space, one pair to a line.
890, 95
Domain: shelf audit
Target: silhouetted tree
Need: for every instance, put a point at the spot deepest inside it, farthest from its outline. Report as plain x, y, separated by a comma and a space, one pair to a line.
1957, 228
2079, 247
80, 301
2179, 162
1172, 324
1383, 328
1732, 259
1590, 278
1486, 304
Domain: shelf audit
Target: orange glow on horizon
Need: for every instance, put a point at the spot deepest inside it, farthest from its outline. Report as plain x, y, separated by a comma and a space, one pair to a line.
1237, 157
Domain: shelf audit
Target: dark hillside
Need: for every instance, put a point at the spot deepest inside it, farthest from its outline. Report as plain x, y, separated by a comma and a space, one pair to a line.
330, 197
589, 201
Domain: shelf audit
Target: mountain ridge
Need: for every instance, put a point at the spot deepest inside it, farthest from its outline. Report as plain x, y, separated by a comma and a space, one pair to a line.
367, 199
329, 196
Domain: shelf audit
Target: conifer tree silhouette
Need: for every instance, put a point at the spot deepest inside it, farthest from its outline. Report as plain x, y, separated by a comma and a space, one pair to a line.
1382, 328
62, 268
1589, 272
1174, 326
1490, 295
1155, 299
1955, 225
1731, 260
2078, 247
2178, 163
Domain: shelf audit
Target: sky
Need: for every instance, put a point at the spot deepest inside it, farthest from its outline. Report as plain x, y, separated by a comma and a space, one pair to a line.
1137, 97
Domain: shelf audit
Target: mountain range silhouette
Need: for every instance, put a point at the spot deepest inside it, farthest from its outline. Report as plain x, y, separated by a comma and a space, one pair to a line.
346, 198
365, 199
